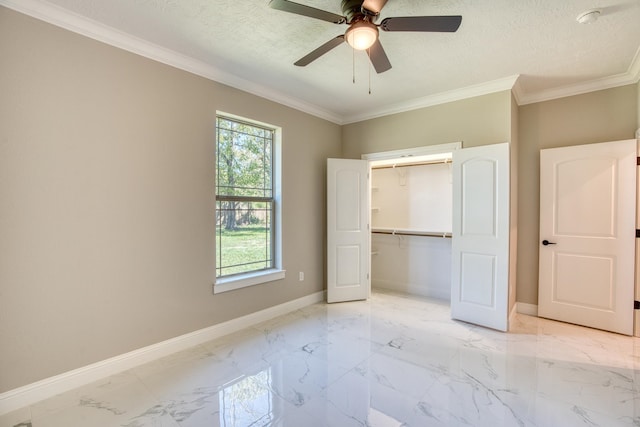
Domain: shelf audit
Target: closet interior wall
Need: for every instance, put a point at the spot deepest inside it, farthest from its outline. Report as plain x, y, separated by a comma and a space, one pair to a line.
411, 225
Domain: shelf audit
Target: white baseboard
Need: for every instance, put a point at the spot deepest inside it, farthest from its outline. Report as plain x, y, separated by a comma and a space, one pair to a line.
40, 390
529, 309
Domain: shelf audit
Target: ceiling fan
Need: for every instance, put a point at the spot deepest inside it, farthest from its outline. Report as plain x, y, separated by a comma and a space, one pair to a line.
362, 34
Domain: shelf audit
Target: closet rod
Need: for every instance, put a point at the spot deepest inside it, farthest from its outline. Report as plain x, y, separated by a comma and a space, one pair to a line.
404, 165
412, 233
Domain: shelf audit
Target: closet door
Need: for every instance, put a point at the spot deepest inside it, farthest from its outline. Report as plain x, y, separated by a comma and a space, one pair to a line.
480, 240
348, 236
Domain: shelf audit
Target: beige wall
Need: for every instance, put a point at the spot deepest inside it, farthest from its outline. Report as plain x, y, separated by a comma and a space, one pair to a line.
107, 201
607, 115
475, 121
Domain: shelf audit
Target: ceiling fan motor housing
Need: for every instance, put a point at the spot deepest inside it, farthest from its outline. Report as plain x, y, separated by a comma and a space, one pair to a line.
353, 10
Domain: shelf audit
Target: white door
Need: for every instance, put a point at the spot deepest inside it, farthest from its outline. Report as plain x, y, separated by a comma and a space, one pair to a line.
587, 235
480, 239
348, 238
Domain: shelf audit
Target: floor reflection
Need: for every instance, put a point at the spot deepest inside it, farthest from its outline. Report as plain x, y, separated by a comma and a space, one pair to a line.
247, 401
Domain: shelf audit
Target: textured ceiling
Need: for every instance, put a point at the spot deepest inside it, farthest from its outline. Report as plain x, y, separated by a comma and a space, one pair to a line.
539, 40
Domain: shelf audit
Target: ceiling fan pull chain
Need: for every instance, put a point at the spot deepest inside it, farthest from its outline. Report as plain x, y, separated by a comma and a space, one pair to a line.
369, 68
354, 65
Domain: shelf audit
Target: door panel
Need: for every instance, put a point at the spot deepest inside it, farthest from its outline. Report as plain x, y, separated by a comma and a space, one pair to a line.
348, 238
478, 282
588, 186
587, 214
574, 270
479, 203
348, 218
480, 240
348, 265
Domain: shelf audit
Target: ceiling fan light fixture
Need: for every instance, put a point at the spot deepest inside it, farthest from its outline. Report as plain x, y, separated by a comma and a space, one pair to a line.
361, 35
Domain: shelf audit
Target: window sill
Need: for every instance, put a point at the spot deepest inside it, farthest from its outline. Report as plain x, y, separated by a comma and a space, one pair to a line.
245, 280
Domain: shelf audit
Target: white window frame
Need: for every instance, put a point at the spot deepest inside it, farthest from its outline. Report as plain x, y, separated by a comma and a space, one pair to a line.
239, 281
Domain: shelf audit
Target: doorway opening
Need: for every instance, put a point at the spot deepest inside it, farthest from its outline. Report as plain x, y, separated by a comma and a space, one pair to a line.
411, 220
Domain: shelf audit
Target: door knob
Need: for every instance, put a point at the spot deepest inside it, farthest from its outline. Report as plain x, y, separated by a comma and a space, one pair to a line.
546, 242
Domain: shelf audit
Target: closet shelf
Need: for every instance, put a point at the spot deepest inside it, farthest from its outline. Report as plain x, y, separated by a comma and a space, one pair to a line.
408, 232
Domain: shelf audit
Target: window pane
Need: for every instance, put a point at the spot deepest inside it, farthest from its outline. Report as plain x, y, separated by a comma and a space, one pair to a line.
244, 223
244, 231
244, 160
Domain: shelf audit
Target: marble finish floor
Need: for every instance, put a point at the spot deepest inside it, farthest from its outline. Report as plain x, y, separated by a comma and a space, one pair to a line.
391, 361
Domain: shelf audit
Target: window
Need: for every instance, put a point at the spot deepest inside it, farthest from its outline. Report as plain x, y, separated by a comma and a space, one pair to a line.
247, 207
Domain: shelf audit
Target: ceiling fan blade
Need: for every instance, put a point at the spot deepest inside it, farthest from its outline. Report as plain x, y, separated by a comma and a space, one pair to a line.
306, 60
301, 9
374, 6
378, 58
447, 24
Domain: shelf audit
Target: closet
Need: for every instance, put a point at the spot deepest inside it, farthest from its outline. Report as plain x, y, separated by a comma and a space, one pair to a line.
411, 224
388, 234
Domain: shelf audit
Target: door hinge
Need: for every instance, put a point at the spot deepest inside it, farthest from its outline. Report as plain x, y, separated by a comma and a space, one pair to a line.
637, 234
636, 305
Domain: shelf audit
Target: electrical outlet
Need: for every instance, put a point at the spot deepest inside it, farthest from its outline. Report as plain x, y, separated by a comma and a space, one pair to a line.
301, 276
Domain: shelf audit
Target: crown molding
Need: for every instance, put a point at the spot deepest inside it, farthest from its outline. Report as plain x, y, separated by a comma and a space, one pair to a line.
517, 91
634, 68
631, 76
95, 30
486, 88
